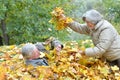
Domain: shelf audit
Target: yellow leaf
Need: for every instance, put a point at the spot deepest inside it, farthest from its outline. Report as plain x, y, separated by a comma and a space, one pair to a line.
68, 20
104, 70
72, 74
41, 77
51, 21
71, 58
114, 68
12, 46
42, 55
78, 55
64, 60
82, 48
2, 73
27, 77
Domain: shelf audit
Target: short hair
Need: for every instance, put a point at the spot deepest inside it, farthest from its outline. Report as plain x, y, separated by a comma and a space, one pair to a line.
92, 16
27, 50
40, 47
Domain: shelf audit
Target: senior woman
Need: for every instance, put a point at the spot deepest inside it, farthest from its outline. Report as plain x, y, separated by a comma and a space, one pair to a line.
104, 36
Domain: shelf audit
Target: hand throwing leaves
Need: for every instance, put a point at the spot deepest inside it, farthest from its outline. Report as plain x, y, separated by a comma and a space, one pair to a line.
81, 52
59, 19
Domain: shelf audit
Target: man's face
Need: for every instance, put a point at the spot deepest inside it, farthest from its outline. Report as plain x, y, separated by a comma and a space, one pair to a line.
90, 25
36, 54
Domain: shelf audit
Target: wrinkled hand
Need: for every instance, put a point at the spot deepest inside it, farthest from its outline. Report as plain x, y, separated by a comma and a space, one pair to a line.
81, 52
63, 17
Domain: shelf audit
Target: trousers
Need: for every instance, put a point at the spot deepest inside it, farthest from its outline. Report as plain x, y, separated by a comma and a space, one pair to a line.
115, 62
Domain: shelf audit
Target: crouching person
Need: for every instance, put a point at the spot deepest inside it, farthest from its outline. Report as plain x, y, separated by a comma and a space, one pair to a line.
31, 55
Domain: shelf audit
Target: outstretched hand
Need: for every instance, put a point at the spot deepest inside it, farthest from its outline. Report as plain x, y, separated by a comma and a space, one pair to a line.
81, 52
62, 17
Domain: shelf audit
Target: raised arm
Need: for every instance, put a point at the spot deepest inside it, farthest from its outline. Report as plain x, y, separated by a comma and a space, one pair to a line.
80, 28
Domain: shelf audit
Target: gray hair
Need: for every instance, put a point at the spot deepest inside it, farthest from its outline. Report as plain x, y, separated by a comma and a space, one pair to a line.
27, 50
40, 47
92, 16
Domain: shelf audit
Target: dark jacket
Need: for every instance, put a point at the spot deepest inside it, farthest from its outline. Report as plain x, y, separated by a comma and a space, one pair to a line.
37, 62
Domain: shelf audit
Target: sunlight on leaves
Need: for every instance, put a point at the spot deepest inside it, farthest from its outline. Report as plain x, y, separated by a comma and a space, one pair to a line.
66, 65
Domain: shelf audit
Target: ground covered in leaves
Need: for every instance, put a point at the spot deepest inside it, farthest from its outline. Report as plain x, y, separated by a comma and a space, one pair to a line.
65, 65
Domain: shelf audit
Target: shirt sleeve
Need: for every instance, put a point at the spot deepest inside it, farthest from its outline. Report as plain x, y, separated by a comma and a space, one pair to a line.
80, 28
105, 40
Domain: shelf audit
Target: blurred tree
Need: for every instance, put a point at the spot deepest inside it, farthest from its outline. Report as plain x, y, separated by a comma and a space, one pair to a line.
24, 21
27, 20
113, 12
3, 16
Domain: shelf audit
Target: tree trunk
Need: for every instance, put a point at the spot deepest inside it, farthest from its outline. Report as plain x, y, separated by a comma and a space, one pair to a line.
4, 34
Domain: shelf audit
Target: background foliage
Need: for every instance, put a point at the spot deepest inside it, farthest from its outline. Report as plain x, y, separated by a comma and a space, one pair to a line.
27, 20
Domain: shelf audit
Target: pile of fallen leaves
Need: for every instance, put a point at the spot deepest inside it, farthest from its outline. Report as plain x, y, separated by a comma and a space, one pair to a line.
58, 19
66, 65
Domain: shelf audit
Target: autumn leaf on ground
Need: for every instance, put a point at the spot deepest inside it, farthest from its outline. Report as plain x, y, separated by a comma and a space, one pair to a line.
114, 68
62, 66
2, 72
104, 70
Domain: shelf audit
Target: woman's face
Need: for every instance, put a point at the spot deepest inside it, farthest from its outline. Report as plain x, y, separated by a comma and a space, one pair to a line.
90, 25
